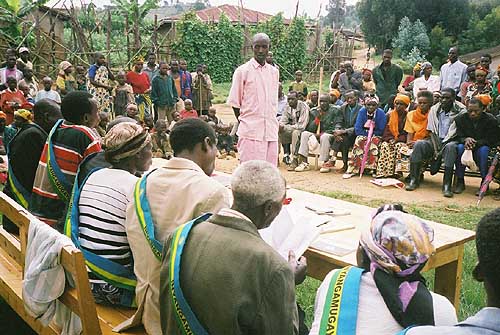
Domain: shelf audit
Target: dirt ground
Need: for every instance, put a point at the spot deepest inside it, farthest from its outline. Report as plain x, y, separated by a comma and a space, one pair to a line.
429, 192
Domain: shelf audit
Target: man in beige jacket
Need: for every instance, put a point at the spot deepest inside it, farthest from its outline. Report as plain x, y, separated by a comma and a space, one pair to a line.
178, 192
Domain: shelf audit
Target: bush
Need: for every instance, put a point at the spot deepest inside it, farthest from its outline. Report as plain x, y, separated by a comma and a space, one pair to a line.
216, 45
288, 44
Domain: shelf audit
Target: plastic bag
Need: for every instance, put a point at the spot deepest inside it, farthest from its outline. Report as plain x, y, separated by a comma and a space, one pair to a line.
468, 160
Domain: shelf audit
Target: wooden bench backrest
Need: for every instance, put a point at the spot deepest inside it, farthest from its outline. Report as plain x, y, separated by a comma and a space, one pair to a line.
78, 299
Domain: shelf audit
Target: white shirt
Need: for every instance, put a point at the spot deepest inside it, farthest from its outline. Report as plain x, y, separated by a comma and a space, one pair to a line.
52, 95
373, 315
420, 84
453, 75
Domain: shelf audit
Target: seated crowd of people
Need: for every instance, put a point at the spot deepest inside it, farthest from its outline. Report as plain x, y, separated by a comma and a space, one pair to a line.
389, 130
182, 249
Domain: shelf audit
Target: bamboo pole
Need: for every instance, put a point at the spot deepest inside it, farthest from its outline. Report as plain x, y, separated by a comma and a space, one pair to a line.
108, 38
155, 37
320, 81
128, 39
38, 41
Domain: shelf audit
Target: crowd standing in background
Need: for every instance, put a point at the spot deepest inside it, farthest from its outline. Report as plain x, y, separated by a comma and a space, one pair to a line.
80, 148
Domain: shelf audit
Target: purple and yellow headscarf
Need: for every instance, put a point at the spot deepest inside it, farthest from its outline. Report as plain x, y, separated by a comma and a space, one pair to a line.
398, 243
398, 246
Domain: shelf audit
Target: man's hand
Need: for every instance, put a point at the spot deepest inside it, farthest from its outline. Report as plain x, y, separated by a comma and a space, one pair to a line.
299, 267
470, 143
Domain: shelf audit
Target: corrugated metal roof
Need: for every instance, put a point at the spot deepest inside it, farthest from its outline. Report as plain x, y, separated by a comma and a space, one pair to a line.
234, 13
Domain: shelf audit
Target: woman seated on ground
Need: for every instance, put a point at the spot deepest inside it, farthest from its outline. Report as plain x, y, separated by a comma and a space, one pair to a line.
97, 214
391, 160
368, 117
387, 292
477, 130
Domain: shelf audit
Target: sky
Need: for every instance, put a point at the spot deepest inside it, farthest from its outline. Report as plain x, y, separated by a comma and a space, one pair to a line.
309, 7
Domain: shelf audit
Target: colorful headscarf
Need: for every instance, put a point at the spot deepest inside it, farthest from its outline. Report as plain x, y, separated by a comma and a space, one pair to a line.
25, 114
485, 99
124, 140
482, 69
398, 243
371, 98
420, 120
393, 123
63, 66
138, 59
398, 246
335, 92
425, 65
417, 67
367, 70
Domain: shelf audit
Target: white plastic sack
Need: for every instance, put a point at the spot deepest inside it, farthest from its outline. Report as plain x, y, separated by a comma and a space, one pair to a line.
468, 160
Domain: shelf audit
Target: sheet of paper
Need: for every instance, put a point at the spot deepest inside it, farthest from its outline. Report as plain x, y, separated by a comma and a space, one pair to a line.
287, 233
333, 246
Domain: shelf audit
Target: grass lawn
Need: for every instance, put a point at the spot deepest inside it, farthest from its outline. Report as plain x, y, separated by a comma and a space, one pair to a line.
472, 296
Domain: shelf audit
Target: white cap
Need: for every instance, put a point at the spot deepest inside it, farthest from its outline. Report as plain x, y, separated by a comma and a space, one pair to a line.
23, 49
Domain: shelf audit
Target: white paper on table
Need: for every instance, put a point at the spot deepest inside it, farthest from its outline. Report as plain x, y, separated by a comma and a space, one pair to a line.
287, 233
333, 245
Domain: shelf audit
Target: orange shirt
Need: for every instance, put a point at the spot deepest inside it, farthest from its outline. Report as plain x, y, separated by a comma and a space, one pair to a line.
7, 100
184, 114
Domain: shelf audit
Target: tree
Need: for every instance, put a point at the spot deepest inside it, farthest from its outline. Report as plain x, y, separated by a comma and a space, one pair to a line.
440, 44
481, 33
449, 14
380, 20
12, 13
136, 14
336, 13
411, 36
201, 4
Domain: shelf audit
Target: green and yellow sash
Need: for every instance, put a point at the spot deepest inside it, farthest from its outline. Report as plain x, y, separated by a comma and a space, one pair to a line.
341, 306
188, 323
56, 177
144, 216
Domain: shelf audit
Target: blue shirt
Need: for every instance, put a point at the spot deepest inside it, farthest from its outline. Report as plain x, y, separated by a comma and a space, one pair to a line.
444, 123
485, 322
380, 121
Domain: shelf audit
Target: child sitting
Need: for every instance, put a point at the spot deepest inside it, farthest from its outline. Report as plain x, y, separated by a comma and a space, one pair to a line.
224, 138
122, 94
132, 111
81, 78
48, 92
299, 85
176, 117
188, 112
161, 141
11, 100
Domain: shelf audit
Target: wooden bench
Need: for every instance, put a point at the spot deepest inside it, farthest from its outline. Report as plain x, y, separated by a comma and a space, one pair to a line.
96, 319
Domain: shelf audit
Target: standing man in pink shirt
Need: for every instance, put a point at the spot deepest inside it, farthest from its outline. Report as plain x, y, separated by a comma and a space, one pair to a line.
254, 98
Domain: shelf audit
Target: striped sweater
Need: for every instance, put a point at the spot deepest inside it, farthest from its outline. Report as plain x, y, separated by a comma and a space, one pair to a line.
72, 143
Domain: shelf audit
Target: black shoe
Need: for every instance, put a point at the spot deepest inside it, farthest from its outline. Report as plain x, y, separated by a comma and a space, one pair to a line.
287, 160
414, 176
447, 180
460, 187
